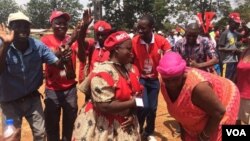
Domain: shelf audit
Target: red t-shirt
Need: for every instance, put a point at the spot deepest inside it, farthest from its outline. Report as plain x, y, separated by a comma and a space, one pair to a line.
53, 79
95, 54
147, 56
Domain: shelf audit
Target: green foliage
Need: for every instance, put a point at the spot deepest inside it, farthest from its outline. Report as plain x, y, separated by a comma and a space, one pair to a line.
167, 26
39, 12
73, 7
7, 7
123, 16
159, 12
184, 10
244, 11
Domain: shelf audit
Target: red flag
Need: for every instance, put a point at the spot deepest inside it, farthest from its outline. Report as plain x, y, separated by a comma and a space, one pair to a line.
200, 20
208, 18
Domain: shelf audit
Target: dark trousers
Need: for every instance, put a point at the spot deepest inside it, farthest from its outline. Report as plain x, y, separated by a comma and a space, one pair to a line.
54, 102
229, 70
150, 101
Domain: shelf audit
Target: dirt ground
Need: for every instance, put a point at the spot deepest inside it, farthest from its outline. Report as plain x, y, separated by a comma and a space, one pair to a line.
164, 130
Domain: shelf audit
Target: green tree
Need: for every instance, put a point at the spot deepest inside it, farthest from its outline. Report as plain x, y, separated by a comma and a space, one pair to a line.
124, 13
114, 13
159, 13
7, 7
184, 10
244, 10
73, 7
39, 12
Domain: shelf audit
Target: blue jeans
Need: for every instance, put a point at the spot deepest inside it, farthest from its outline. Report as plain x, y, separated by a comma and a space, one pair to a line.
150, 101
29, 107
54, 102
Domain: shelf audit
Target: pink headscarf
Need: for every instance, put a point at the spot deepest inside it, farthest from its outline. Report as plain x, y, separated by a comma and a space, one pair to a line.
171, 65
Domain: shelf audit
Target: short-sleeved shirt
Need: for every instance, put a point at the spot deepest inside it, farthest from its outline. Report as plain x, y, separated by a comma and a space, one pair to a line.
95, 55
228, 40
200, 52
23, 73
147, 56
54, 81
99, 55
108, 85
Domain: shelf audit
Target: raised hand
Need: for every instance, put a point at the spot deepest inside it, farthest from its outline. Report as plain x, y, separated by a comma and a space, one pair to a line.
5, 34
87, 18
81, 27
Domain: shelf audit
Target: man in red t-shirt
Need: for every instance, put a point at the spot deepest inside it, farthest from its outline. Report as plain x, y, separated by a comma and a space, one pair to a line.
148, 49
95, 53
60, 88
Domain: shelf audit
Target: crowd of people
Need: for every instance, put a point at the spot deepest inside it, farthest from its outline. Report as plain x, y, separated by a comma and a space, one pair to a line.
203, 78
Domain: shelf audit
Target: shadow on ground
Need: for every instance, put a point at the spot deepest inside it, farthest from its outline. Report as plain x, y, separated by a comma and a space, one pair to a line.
160, 136
173, 127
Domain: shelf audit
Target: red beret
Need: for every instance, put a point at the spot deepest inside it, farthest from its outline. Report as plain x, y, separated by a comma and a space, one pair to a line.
115, 39
56, 14
235, 17
102, 26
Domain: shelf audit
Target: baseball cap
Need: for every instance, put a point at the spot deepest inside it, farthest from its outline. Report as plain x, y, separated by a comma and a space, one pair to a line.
102, 26
56, 14
115, 39
17, 16
235, 17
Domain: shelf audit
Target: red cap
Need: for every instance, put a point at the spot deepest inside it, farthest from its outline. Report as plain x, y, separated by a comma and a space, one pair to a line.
235, 17
115, 39
56, 14
102, 26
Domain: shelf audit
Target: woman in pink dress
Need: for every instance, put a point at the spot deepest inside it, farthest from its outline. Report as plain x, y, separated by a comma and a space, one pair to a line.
200, 101
243, 83
110, 115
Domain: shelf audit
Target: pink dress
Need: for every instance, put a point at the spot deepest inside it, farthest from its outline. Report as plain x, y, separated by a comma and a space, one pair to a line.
191, 117
243, 79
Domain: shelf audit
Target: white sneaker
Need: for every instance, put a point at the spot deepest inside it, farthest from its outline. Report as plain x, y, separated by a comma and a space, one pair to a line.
151, 138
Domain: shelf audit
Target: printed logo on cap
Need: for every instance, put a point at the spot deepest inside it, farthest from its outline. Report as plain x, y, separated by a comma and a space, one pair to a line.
121, 36
100, 29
